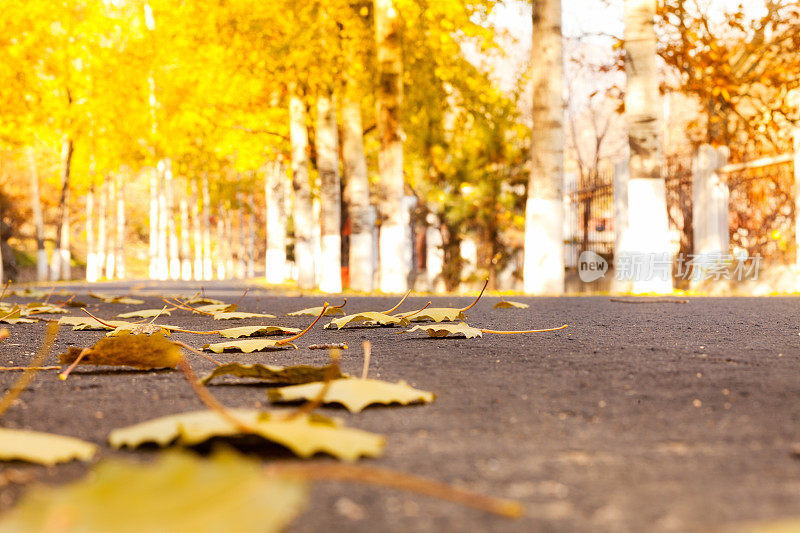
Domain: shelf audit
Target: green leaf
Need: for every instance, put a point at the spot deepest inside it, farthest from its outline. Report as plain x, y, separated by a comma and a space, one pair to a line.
305, 435
177, 492
315, 311
257, 331
507, 304
139, 351
110, 299
145, 313
248, 346
42, 448
238, 315
353, 393
371, 318
446, 330
276, 374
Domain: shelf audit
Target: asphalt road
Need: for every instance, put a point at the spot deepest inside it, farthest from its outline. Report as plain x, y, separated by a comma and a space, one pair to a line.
638, 417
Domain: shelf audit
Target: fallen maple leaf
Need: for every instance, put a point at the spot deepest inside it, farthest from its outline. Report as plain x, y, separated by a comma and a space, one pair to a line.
373, 318
256, 331
139, 351
443, 314
462, 328
238, 315
177, 492
305, 435
507, 304
42, 448
353, 393
275, 374
248, 346
88, 323
331, 310
145, 313
111, 299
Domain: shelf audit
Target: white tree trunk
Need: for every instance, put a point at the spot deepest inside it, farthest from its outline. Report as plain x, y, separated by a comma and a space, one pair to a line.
230, 265
251, 238
111, 246
121, 234
38, 220
648, 235
220, 248
172, 234
197, 235
102, 229
153, 251
163, 260
186, 262
274, 191
208, 271
543, 270
330, 194
393, 269
241, 265
302, 212
91, 254
357, 192
61, 268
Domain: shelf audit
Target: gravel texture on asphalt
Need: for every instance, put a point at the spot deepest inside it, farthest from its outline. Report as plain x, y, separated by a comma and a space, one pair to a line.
637, 417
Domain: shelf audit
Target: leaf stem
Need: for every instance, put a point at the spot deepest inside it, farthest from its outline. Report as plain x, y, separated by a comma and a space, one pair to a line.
467, 308
242, 296
398, 480
398, 303
367, 353
319, 399
24, 380
290, 339
198, 352
208, 399
523, 331
65, 374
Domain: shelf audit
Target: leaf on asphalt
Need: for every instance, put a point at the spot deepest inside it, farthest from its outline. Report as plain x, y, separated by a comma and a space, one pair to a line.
40, 308
508, 304
145, 313
177, 492
14, 316
42, 448
30, 293
435, 314
202, 300
372, 318
314, 311
238, 315
88, 323
140, 351
257, 331
111, 299
446, 330
248, 346
276, 374
353, 393
217, 308
305, 435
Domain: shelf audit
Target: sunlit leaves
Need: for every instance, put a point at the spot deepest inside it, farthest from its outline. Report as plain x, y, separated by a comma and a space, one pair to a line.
354, 393
145, 313
372, 318
508, 304
111, 299
305, 435
238, 315
42, 448
248, 346
256, 331
449, 330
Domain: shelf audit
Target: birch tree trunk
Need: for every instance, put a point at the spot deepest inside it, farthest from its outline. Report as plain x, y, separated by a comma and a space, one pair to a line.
543, 270
220, 255
327, 144
91, 254
121, 233
240, 252
276, 222
208, 272
111, 246
102, 228
38, 220
647, 242
302, 213
357, 193
230, 265
153, 252
251, 238
186, 263
392, 245
197, 236
172, 235
163, 262
61, 268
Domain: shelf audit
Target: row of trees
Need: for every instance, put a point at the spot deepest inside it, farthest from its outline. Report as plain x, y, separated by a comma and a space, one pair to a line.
333, 108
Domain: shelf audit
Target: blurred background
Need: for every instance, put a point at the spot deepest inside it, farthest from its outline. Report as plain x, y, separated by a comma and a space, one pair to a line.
383, 145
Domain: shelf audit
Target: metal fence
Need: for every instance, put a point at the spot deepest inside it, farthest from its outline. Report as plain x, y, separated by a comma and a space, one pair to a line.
589, 216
